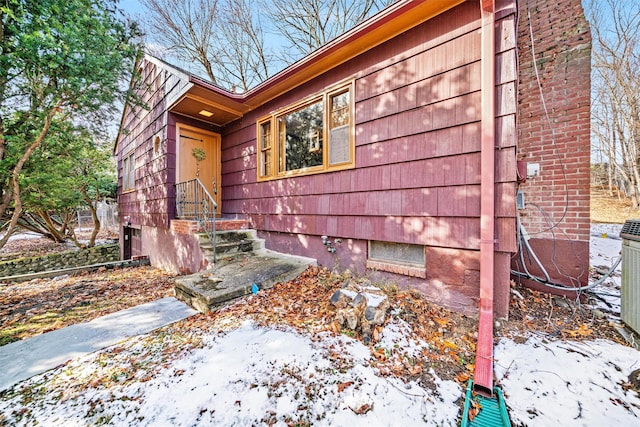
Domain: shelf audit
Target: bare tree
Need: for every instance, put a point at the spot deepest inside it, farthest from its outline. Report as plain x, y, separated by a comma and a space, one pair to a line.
244, 59
309, 24
187, 28
223, 36
615, 26
227, 37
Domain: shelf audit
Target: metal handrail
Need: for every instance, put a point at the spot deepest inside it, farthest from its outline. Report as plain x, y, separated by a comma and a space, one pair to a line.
193, 201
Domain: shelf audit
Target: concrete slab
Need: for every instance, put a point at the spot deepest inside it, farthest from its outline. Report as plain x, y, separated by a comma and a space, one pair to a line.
208, 290
23, 359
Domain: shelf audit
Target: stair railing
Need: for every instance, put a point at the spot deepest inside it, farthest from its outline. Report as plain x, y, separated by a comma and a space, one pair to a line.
193, 201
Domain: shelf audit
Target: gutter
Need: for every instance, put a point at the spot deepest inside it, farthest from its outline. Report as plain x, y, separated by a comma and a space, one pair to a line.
483, 376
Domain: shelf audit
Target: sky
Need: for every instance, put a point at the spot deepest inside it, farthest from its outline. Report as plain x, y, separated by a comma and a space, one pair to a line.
132, 7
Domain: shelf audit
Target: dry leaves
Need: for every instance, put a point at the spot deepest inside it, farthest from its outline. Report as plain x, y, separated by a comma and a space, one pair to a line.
537, 311
582, 331
43, 305
303, 303
344, 385
361, 410
474, 409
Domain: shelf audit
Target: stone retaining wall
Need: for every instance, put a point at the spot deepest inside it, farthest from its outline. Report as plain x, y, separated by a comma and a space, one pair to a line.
62, 260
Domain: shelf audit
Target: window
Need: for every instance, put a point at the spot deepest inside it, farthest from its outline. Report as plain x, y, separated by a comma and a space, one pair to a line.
399, 258
300, 138
266, 156
128, 169
396, 252
310, 137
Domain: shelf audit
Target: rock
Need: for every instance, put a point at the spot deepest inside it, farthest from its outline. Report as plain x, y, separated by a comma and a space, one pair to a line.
359, 301
342, 298
376, 314
561, 302
366, 284
347, 318
360, 307
634, 380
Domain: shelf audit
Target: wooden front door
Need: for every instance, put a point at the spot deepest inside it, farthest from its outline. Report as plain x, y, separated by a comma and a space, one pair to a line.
194, 143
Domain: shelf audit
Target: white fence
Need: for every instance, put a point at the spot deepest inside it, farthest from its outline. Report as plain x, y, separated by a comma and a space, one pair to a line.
107, 215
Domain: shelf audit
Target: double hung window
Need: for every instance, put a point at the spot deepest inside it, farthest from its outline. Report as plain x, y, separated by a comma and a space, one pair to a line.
128, 169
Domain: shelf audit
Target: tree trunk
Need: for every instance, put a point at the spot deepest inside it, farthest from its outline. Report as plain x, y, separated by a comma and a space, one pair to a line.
94, 215
56, 235
14, 193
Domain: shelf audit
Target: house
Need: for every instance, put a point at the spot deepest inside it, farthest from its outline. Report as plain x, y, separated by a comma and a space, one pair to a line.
419, 146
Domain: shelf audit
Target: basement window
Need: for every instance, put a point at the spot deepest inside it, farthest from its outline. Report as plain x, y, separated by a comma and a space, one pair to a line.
399, 258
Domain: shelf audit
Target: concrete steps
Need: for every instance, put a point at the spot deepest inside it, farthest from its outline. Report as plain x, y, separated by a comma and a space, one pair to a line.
230, 244
212, 289
240, 261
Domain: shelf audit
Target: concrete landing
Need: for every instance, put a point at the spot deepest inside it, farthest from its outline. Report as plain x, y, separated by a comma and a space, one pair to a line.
23, 359
209, 290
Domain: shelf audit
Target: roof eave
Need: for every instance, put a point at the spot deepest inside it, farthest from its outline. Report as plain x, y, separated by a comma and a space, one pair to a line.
390, 22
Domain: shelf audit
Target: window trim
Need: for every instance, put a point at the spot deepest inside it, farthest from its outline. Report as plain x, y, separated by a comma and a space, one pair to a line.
275, 145
128, 172
397, 266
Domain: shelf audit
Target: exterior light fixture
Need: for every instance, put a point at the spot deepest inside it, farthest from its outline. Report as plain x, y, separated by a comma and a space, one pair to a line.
205, 113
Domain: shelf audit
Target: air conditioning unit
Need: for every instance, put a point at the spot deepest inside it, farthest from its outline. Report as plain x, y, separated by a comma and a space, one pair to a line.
630, 289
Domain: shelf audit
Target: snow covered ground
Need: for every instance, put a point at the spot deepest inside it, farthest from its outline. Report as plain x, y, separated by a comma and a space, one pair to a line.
244, 374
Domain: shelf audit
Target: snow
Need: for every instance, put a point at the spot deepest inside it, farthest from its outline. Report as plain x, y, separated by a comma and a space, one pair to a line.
25, 235
245, 374
251, 375
568, 383
397, 334
604, 249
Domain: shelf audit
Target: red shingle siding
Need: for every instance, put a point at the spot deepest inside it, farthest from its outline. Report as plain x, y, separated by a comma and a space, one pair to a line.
411, 114
152, 202
148, 203
417, 174
557, 200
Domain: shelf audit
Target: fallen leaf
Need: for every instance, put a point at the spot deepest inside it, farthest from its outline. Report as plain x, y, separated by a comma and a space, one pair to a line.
441, 321
363, 409
463, 377
582, 331
344, 385
376, 334
379, 354
474, 410
450, 345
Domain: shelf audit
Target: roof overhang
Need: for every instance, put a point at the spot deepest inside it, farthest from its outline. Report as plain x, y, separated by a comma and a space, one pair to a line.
209, 106
202, 98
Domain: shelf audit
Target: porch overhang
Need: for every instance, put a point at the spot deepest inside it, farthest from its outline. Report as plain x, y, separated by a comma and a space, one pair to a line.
214, 107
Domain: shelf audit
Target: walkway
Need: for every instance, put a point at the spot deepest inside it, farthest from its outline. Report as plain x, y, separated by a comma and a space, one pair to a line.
23, 359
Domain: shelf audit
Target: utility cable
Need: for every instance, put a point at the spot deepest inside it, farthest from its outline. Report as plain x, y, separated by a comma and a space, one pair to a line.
548, 119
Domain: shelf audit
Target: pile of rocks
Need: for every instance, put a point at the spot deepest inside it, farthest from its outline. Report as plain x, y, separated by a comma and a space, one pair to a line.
360, 306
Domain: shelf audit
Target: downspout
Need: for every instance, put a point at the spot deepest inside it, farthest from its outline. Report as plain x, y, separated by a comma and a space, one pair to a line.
483, 376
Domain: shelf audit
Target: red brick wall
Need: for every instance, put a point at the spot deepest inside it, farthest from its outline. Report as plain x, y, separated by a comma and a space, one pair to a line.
557, 201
